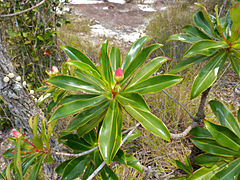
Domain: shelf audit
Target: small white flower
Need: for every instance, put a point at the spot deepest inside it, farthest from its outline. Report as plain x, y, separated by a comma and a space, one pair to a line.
24, 83
35, 99
11, 75
31, 92
18, 78
6, 79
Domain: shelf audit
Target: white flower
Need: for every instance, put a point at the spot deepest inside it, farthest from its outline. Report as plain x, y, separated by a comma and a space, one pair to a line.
31, 92
6, 79
18, 78
24, 83
11, 75
35, 99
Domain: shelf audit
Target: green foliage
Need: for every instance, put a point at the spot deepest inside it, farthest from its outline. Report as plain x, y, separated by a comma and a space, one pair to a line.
213, 38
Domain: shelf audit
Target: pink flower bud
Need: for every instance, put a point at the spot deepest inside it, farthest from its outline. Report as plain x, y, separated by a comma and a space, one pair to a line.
46, 83
16, 134
55, 69
47, 52
118, 75
13, 151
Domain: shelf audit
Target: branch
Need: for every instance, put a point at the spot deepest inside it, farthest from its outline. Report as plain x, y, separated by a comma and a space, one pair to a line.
185, 132
21, 12
75, 155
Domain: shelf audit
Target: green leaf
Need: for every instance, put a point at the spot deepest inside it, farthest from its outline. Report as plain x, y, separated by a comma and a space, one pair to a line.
235, 64
75, 168
75, 143
154, 84
138, 61
8, 153
86, 69
208, 160
208, 74
75, 97
188, 164
115, 58
59, 170
182, 166
179, 178
200, 132
73, 84
87, 115
43, 98
149, 121
48, 159
120, 157
90, 169
36, 169
75, 54
133, 136
37, 141
231, 171
205, 47
108, 174
17, 158
206, 173
190, 29
235, 16
188, 62
35, 125
201, 22
188, 38
134, 163
76, 106
8, 172
109, 135
133, 99
225, 117
148, 69
224, 136
54, 104
212, 147
106, 64
133, 51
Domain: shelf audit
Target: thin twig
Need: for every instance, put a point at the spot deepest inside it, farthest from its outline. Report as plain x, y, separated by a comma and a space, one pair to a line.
21, 12
103, 163
75, 155
191, 116
185, 132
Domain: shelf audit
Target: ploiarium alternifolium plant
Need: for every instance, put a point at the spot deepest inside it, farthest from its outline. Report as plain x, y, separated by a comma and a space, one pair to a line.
214, 39
98, 95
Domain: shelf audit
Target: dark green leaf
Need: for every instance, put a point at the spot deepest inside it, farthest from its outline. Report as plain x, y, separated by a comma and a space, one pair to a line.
115, 58
108, 174
74, 54
154, 84
207, 160
235, 16
36, 169
59, 170
188, 38
225, 117
182, 166
200, 132
190, 29
208, 74
134, 163
235, 64
90, 169
134, 50
75, 97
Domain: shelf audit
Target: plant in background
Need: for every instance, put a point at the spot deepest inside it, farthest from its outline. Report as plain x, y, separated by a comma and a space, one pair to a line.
213, 38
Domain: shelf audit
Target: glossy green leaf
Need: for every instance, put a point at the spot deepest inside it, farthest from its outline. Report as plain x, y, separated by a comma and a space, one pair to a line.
133, 99
136, 134
188, 164
44, 134
205, 173
1, 176
8, 153
87, 115
108, 174
188, 62
89, 170
75, 168
115, 58
54, 104
36, 169
149, 121
207, 160
75, 97
154, 84
138, 61
35, 125
43, 98
75, 54
182, 166
147, 70
231, 171
60, 168
73, 84
235, 16
212, 147
190, 29
188, 38
208, 74
86, 69
205, 47
134, 50
200, 132
75, 143
76, 106
109, 135
201, 22
17, 158
134, 163
225, 116
235, 64
8, 172
120, 157
224, 136
106, 64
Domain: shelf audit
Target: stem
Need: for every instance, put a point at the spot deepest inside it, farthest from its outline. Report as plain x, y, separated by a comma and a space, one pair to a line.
75, 155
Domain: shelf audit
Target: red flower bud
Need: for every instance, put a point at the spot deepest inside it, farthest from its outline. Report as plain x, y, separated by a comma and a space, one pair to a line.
47, 52
16, 134
46, 83
118, 75
13, 151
